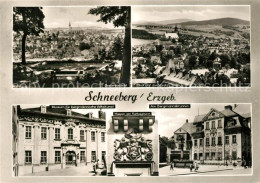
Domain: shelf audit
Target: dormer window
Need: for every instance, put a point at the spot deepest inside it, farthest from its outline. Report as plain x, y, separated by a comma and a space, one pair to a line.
68, 112
43, 109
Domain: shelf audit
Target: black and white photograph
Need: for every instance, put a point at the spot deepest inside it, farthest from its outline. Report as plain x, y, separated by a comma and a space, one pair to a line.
71, 47
206, 139
191, 46
64, 140
132, 144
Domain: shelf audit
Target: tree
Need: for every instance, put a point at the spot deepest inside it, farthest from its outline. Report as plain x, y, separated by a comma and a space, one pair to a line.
119, 16
192, 61
224, 60
117, 50
29, 21
84, 46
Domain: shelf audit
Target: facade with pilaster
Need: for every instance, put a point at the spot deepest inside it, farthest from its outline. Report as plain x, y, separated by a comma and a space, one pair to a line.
218, 137
55, 138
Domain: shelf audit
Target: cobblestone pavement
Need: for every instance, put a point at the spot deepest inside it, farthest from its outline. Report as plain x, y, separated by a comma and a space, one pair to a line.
205, 170
69, 171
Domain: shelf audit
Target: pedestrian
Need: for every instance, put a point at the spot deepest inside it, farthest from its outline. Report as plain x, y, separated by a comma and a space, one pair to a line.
171, 167
196, 167
94, 167
244, 163
191, 167
97, 164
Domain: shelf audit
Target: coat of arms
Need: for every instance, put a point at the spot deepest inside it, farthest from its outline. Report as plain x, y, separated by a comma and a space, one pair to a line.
133, 147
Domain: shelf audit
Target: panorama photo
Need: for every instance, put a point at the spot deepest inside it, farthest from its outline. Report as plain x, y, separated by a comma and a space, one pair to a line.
205, 46
58, 47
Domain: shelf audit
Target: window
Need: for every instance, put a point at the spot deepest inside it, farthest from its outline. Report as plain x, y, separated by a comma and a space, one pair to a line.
43, 157
198, 129
195, 142
103, 137
43, 133
219, 124
234, 139
219, 141
28, 157
213, 124
195, 156
234, 155
82, 156
93, 155
103, 154
70, 134
207, 156
219, 155
43, 109
82, 138
57, 157
28, 132
201, 142
227, 139
57, 133
213, 155
93, 137
207, 141
213, 141
207, 125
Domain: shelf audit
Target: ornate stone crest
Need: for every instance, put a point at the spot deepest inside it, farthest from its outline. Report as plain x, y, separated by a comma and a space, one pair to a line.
133, 147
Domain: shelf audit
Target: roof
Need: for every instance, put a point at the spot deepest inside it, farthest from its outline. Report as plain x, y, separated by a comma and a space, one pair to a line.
173, 35
188, 127
62, 112
54, 110
229, 113
186, 80
246, 115
144, 80
198, 118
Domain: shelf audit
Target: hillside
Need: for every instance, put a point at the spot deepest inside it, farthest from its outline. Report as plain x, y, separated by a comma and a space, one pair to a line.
164, 22
220, 21
175, 21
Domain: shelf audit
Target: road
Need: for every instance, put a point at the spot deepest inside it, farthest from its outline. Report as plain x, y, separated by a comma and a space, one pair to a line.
205, 170
68, 171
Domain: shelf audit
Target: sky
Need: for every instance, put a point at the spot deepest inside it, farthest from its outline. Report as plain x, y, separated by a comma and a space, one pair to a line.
159, 13
59, 17
172, 119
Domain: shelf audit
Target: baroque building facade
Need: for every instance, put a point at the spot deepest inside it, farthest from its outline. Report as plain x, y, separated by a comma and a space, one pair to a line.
218, 137
53, 138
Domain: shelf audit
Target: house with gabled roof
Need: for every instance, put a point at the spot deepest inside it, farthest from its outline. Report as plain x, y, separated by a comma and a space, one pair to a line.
217, 137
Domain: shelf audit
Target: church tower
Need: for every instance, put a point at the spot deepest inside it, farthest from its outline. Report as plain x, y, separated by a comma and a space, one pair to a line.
176, 29
70, 28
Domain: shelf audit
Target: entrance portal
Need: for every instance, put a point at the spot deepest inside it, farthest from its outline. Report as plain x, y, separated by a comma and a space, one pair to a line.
70, 158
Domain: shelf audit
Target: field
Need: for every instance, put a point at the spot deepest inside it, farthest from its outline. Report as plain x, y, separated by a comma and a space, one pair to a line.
215, 31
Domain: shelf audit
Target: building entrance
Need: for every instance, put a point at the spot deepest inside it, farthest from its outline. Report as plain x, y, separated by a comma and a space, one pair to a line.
70, 158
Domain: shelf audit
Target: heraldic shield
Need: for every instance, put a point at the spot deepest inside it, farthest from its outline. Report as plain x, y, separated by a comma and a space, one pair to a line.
133, 147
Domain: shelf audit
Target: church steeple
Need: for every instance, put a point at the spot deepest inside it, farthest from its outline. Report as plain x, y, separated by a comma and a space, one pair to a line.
70, 26
176, 29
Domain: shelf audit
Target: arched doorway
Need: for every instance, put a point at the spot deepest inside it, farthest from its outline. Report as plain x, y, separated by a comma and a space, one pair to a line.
70, 158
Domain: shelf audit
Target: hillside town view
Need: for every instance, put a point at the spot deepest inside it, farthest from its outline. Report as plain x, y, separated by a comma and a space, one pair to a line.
186, 52
69, 47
